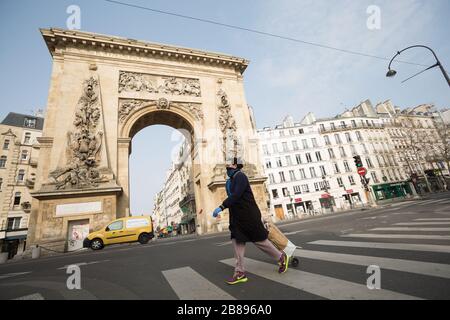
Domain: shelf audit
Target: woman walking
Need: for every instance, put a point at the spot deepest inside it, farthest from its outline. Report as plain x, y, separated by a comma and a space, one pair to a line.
245, 222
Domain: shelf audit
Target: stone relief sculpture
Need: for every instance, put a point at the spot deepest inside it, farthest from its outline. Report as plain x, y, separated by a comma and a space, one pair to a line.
227, 126
129, 106
84, 144
139, 82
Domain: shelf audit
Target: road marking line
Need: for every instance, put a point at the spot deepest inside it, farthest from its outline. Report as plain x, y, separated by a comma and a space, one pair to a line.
9, 275
220, 244
425, 268
396, 236
189, 285
293, 232
435, 223
409, 229
383, 245
34, 296
324, 286
433, 219
82, 264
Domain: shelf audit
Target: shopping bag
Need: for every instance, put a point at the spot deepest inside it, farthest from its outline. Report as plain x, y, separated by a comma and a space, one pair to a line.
276, 236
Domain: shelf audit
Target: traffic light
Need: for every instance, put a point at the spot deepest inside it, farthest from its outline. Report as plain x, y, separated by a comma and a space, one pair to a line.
358, 161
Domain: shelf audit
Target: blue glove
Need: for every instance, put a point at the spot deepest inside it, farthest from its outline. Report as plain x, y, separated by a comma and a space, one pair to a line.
216, 212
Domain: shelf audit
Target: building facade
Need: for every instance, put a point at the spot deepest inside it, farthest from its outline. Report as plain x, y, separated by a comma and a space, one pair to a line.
311, 168
18, 161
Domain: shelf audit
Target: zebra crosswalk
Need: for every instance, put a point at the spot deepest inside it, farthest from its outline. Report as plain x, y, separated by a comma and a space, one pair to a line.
312, 281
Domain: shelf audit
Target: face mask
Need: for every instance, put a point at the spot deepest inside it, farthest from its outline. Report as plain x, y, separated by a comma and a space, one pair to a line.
230, 172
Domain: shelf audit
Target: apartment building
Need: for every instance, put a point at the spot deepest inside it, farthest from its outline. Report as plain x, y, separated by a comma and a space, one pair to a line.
18, 161
310, 165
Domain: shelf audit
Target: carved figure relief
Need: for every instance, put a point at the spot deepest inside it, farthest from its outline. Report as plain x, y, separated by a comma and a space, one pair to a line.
138, 82
129, 106
84, 144
227, 125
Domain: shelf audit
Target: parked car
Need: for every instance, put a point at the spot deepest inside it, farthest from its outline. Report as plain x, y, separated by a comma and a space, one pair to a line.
123, 230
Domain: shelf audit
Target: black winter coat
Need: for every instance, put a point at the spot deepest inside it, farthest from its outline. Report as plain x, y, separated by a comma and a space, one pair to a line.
245, 217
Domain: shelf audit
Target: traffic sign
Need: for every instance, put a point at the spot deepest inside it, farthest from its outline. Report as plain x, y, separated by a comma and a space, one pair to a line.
362, 171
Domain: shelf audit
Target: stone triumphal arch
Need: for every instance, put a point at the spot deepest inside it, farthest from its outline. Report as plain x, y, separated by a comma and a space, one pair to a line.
105, 89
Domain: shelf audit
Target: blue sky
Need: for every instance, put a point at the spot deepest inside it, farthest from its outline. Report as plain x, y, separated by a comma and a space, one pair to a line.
283, 77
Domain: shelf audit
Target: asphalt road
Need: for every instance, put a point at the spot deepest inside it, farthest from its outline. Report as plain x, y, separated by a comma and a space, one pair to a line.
408, 241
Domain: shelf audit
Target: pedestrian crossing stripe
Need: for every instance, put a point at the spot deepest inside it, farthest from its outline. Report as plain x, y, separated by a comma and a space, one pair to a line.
319, 285
424, 268
190, 285
409, 229
384, 245
423, 223
396, 236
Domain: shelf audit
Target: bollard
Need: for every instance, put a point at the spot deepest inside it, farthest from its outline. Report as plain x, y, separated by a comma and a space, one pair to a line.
35, 252
3, 257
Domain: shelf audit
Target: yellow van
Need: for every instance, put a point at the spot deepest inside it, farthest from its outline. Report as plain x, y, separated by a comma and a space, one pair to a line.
130, 229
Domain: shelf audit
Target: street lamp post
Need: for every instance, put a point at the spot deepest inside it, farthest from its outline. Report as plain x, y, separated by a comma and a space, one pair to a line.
392, 72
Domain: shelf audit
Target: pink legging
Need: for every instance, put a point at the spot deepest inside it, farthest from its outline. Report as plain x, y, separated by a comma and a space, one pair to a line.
239, 251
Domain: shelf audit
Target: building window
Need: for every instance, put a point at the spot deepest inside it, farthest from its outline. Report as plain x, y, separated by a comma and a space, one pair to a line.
331, 153
337, 138
24, 155
358, 136
27, 138
279, 164
298, 158
353, 123
374, 177
30, 123
369, 163
314, 142
339, 181
297, 190
14, 223
6, 144
292, 175
265, 150
312, 171
308, 157
343, 125
289, 160
271, 178
322, 127
336, 168
275, 148
305, 144
2, 161
20, 175
327, 140
282, 178
285, 192
352, 147
294, 145
291, 132
17, 197
351, 180
323, 171
274, 193
348, 137
300, 131
346, 166
302, 174
281, 133
305, 188
342, 151
285, 147
268, 164
318, 156
333, 127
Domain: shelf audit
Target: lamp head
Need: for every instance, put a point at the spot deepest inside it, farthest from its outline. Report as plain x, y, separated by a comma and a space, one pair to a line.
391, 73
